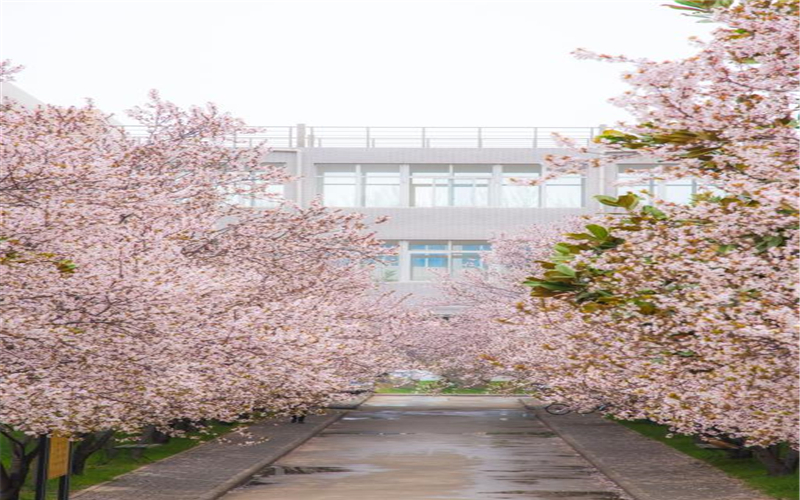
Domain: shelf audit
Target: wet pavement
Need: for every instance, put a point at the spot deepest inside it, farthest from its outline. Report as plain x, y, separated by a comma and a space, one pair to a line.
432, 448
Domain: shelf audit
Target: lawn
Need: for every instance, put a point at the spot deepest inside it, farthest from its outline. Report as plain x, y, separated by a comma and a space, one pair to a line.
433, 387
425, 390
99, 469
749, 469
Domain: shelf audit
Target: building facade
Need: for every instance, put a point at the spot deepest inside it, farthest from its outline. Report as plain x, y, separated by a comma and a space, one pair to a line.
447, 191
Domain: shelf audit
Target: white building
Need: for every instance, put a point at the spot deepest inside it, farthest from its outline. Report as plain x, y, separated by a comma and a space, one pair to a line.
446, 191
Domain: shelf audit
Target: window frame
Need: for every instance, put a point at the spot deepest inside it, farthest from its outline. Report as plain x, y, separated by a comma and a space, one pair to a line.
451, 178
505, 181
249, 176
449, 253
658, 188
488, 185
360, 183
382, 264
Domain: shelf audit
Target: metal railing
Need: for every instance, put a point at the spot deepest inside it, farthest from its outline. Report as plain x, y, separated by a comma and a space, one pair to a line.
276, 137
304, 136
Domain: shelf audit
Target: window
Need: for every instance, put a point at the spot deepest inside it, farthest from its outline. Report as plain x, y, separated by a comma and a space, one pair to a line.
429, 185
564, 192
338, 185
275, 195
679, 190
357, 185
424, 267
388, 268
470, 185
444, 185
247, 190
466, 255
629, 173
517, 195
674, 191
431, 258
380, 185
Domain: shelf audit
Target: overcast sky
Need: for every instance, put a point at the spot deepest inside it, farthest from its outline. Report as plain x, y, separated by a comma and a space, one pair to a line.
337, 62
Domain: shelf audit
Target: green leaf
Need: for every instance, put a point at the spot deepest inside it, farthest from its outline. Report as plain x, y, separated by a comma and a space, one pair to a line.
566, 270
599, 232
770, 242
607, 200
654, 212
688, 3
556, 286
723, 249
66, 266
563, 248
628, 201
684, 8
646, 307
579, 236
699, 152
611, 243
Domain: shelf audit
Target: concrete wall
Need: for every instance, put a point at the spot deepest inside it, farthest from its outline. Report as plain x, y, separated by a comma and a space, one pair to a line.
10, 91
439, 223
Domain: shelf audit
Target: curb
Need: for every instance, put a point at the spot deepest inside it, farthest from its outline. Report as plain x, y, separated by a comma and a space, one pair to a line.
740, 490
242, 477
235, 481
406, 394
350, 404
620, 481
90, 489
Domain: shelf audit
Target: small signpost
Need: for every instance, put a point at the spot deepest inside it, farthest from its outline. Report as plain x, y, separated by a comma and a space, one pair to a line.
58, 463
54, 463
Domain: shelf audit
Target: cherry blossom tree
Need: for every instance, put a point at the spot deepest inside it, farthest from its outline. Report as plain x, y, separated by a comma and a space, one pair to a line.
702, 296
135, 292
682, 314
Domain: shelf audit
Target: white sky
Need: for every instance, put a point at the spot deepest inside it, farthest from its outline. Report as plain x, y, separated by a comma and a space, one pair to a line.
340, 62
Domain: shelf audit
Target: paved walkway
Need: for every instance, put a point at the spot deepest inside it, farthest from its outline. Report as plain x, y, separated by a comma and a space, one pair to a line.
425, 448
208, 471
645, 468
431, 447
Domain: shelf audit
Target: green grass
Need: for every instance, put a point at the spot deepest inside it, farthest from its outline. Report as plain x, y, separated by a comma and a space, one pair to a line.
99, 469
749, 470
417, 390
432, 387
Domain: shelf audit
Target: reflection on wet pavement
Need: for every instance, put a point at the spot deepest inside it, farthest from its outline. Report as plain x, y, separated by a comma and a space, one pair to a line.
432, 448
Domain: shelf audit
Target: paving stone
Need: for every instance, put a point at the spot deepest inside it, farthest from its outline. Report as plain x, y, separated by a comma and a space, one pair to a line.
645, 468
207, 471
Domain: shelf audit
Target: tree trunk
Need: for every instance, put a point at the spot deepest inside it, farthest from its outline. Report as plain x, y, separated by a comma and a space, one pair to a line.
89, 444
184, 425
151, 435
22, 456
777, 463
740, 452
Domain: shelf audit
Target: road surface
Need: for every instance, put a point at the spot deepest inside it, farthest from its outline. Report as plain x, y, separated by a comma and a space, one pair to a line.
432, 448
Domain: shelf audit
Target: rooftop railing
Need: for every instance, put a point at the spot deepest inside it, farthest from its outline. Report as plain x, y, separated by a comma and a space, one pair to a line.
305, 136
